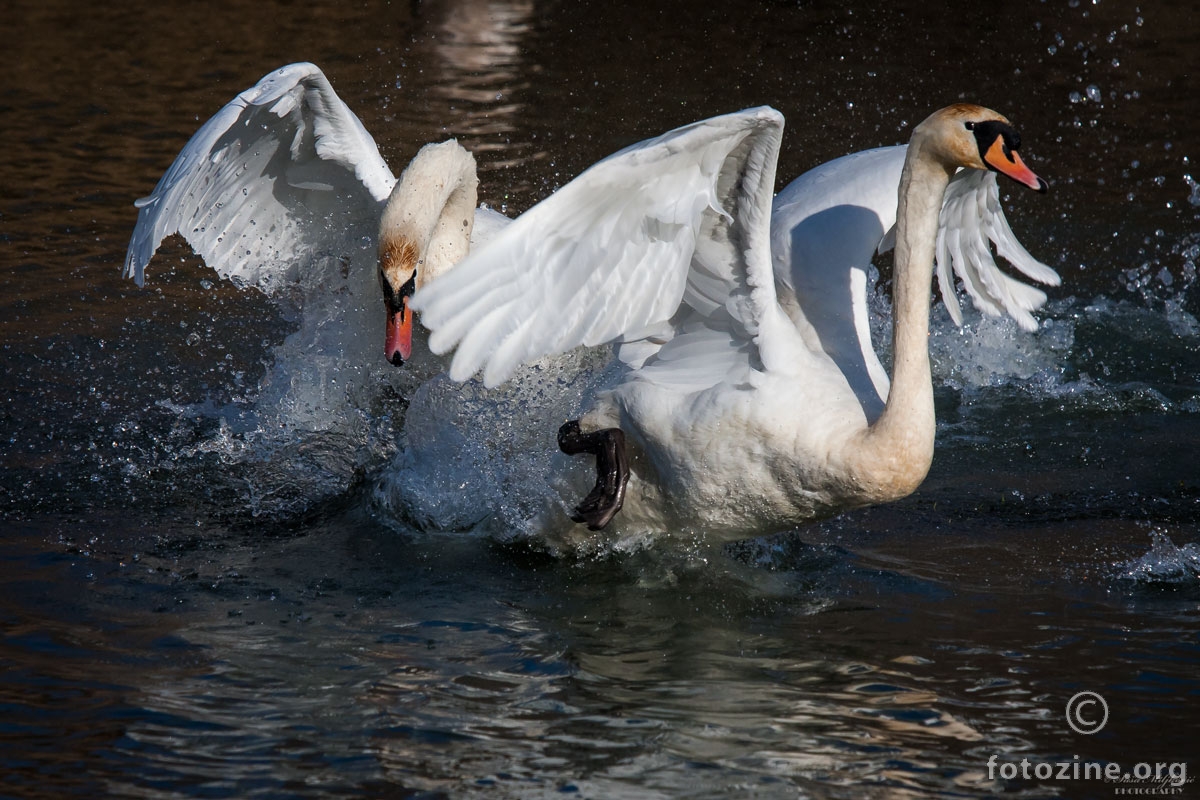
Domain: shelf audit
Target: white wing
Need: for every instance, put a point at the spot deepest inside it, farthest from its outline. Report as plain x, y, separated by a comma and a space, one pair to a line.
280, 176
971, 218
828, 223
487, 226
669, 228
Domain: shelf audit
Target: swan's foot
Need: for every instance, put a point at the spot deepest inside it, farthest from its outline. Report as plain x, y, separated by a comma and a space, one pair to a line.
612, 471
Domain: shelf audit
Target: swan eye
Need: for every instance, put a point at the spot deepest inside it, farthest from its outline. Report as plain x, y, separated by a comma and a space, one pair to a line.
388, 293
969, 126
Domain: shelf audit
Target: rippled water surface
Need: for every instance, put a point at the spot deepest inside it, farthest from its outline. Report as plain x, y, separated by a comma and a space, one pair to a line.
208, 589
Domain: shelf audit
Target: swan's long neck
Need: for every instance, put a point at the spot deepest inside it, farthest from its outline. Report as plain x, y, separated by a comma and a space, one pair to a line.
896, 451
427, 222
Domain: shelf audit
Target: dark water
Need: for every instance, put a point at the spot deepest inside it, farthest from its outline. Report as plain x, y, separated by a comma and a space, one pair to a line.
201, 599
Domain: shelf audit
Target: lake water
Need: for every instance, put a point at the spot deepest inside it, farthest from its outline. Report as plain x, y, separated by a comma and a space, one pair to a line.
206, 595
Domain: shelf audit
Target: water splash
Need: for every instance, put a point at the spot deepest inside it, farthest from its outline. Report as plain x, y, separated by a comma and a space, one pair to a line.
329, 415
994, 351
1164, 565
486, 460
326, 411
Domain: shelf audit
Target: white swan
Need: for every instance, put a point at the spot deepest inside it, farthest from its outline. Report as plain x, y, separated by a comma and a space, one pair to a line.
747, 407
285, 185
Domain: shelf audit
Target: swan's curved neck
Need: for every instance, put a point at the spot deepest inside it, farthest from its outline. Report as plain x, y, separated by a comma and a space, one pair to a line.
897, 449
427, 222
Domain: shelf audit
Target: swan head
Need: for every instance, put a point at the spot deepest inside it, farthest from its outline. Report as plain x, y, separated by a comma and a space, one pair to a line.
425, 229
399, 259
966, 135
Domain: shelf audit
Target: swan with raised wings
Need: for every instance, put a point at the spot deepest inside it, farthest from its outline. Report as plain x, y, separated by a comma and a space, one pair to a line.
747, 403
285, 185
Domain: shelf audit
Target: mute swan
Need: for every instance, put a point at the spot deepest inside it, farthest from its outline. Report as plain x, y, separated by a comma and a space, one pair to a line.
744, 406
284, 183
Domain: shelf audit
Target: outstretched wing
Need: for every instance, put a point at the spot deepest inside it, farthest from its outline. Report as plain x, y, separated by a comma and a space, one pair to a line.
828, 223
669, 228
971, 218
276, 177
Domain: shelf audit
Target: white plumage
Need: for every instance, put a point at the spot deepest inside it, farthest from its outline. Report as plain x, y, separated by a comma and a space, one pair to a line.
270, 181
283, 187
751, 392
740, 321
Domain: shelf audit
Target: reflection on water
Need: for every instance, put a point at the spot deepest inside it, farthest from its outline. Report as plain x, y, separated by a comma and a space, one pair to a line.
479, 48
194, 603
346, 662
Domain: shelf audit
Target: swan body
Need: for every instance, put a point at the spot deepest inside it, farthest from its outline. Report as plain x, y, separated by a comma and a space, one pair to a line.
745, 409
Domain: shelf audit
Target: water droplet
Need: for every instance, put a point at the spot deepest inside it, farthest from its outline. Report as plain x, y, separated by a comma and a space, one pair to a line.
1093, 93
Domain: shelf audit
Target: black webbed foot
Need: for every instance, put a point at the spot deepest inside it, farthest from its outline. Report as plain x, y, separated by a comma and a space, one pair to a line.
612, 471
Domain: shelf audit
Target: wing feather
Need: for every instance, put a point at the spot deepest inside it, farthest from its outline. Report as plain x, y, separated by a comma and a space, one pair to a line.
283, 173
680, 219
828, 223
972, 222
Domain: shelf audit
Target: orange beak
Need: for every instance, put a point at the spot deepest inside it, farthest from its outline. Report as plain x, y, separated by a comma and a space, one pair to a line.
397, 342
1006, 161
397, 345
